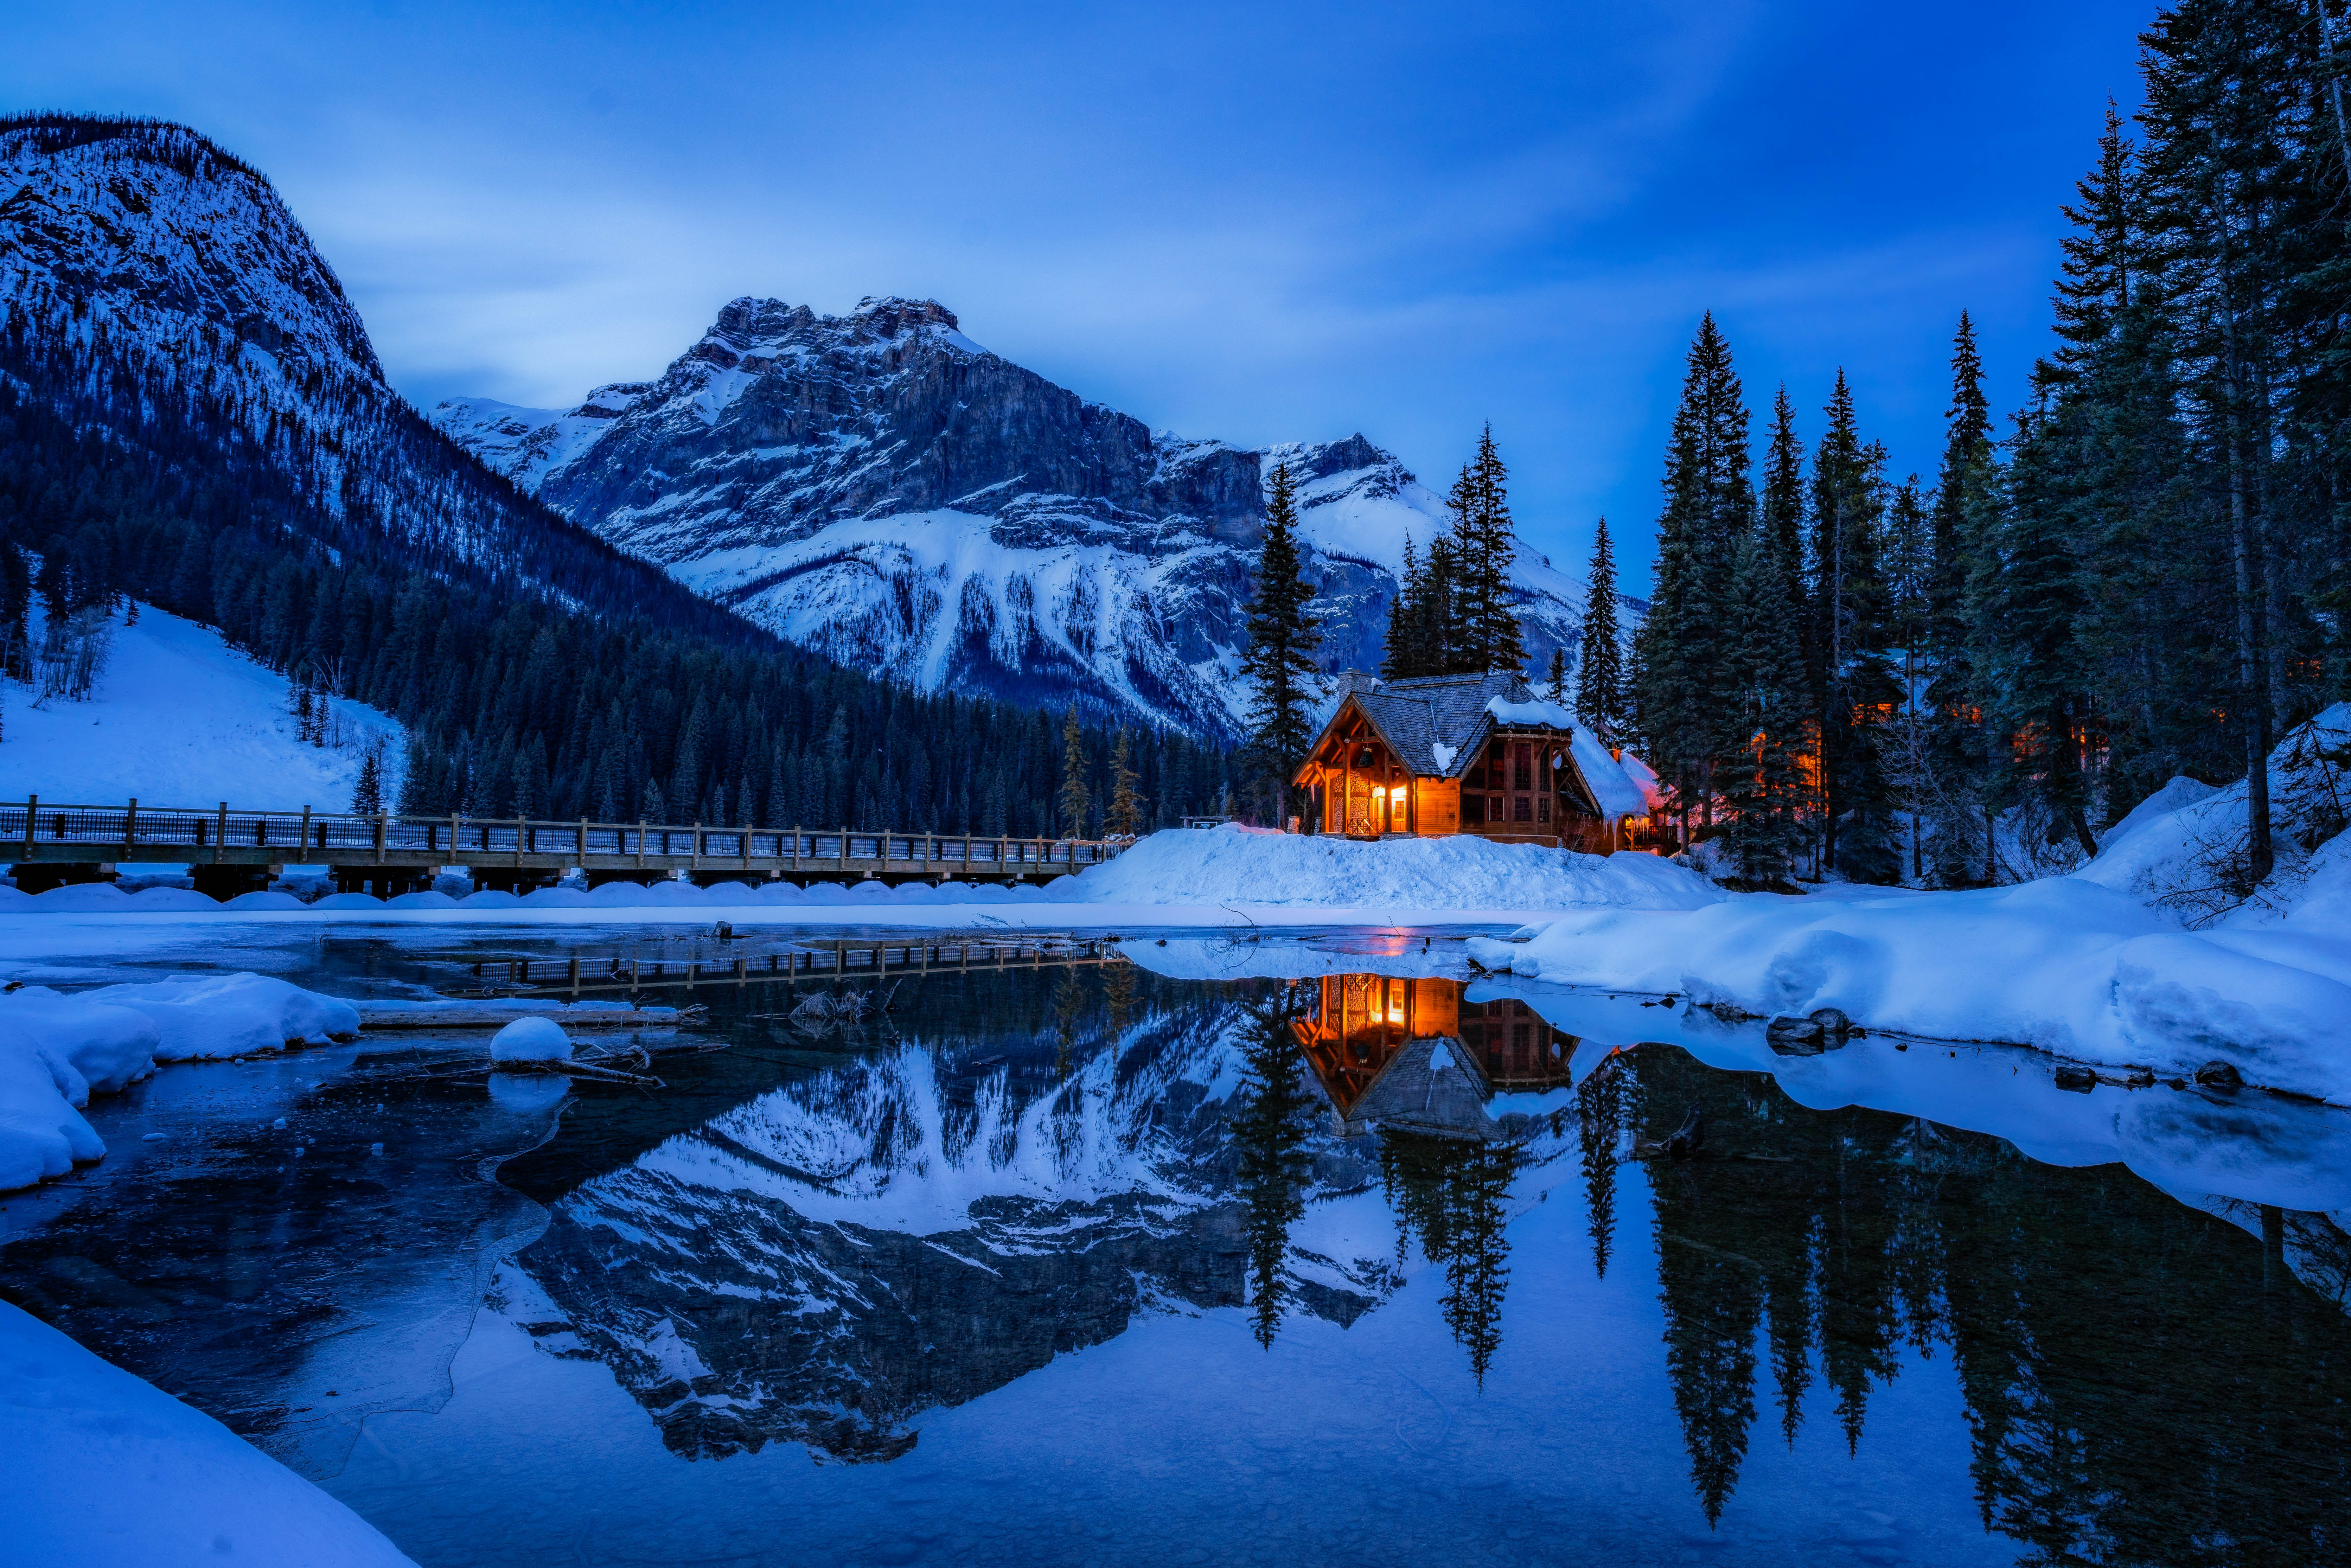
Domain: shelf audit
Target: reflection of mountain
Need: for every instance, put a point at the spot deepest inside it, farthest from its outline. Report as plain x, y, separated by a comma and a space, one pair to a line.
2142, 1387
907, 1229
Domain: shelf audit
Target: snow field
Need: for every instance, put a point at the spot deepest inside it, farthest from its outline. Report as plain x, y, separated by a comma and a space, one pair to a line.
181, 719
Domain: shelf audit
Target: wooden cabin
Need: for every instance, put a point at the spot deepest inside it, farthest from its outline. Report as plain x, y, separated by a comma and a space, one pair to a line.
1465, 754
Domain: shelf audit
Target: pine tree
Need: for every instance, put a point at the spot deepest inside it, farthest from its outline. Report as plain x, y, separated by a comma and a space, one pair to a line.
1600, 676
367, 795
1484, 550
1555, 679
1281, 642
1710, 506
1952, 775
1763, 675
1853, 687
1073, 798
1126, 802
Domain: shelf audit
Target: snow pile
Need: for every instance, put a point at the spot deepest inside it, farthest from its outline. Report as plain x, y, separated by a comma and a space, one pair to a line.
104, 1468
181, 719
2182, 849
202, 1017
56, 1050
532, 1040
1227, 865
2060, 964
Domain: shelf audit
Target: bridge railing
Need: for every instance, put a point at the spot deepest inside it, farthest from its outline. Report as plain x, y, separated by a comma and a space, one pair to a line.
32, 827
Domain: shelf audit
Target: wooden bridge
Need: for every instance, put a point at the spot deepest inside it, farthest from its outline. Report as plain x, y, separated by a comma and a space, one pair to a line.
230, 851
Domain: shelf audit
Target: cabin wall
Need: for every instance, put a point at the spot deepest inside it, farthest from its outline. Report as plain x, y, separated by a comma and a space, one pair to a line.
1436, 806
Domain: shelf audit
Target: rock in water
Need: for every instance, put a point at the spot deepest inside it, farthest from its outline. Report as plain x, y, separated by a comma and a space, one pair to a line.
2217, 1074
532, 1040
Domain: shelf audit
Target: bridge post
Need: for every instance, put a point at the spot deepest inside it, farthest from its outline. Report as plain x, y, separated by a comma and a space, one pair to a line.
306, 835
382, 823
694, 850
220, 839
130, 827
32, 811
796, 849
640, 843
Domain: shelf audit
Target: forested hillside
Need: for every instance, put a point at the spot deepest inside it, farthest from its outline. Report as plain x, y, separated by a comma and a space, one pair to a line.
202, 426
2141, 574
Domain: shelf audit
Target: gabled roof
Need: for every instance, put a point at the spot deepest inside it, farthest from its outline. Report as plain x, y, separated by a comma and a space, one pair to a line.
1436, 725
1415, 717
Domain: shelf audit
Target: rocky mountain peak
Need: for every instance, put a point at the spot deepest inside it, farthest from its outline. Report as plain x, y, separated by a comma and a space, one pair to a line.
155, 229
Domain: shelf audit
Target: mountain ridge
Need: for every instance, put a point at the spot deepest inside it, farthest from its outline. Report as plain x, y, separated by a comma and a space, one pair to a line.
882, 488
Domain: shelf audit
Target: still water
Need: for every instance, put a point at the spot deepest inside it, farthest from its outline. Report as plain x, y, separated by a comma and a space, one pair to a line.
1298, 1253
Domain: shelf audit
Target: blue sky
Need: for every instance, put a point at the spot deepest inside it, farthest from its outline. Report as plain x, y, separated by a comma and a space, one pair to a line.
1261, 223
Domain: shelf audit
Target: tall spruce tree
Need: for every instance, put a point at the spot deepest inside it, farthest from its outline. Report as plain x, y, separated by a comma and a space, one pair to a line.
1486, 548
1073, 797
1283, 638
1600, 678
1763, 675
1854, 688
1962, 752
1709, 507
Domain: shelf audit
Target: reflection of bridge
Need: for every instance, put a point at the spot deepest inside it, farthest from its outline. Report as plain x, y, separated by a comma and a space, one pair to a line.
232, 851
834, 961
1362, 1038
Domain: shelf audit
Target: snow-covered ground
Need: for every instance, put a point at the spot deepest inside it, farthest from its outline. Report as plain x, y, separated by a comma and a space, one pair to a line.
106, 1469
2141, 959
1227, 876
180, 718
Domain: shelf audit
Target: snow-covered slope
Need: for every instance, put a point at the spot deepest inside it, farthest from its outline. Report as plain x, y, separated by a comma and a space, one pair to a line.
180, 718
882, 488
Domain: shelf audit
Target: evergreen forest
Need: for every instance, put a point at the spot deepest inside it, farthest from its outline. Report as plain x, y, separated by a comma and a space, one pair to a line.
2141, 574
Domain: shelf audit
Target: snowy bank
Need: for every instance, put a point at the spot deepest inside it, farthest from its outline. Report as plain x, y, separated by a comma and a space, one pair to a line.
104, 1468
2062, 965
56, 1050
1232, 864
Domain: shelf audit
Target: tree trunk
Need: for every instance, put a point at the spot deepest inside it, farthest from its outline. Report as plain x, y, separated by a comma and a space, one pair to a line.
2250, 685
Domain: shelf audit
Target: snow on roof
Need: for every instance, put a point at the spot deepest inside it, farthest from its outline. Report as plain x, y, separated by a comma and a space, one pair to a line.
1613, 785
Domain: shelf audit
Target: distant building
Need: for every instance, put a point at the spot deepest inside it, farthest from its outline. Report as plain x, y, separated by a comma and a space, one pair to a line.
1467, 754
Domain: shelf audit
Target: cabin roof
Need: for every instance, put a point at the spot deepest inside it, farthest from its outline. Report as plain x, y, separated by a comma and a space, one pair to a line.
1436, 725
1417, 718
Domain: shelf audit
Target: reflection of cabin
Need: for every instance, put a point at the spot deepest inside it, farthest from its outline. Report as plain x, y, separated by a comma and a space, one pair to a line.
1465, 754
1373, 1043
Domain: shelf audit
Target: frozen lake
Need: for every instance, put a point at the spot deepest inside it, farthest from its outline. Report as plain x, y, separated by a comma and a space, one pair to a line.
1316, 1250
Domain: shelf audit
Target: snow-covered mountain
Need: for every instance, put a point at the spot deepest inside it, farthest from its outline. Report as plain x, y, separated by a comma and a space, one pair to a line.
882, 488
155, 289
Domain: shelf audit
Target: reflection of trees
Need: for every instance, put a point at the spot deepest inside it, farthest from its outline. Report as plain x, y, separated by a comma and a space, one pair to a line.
1268, 1133
2140, 1387
1601, 1112
1453, 1195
